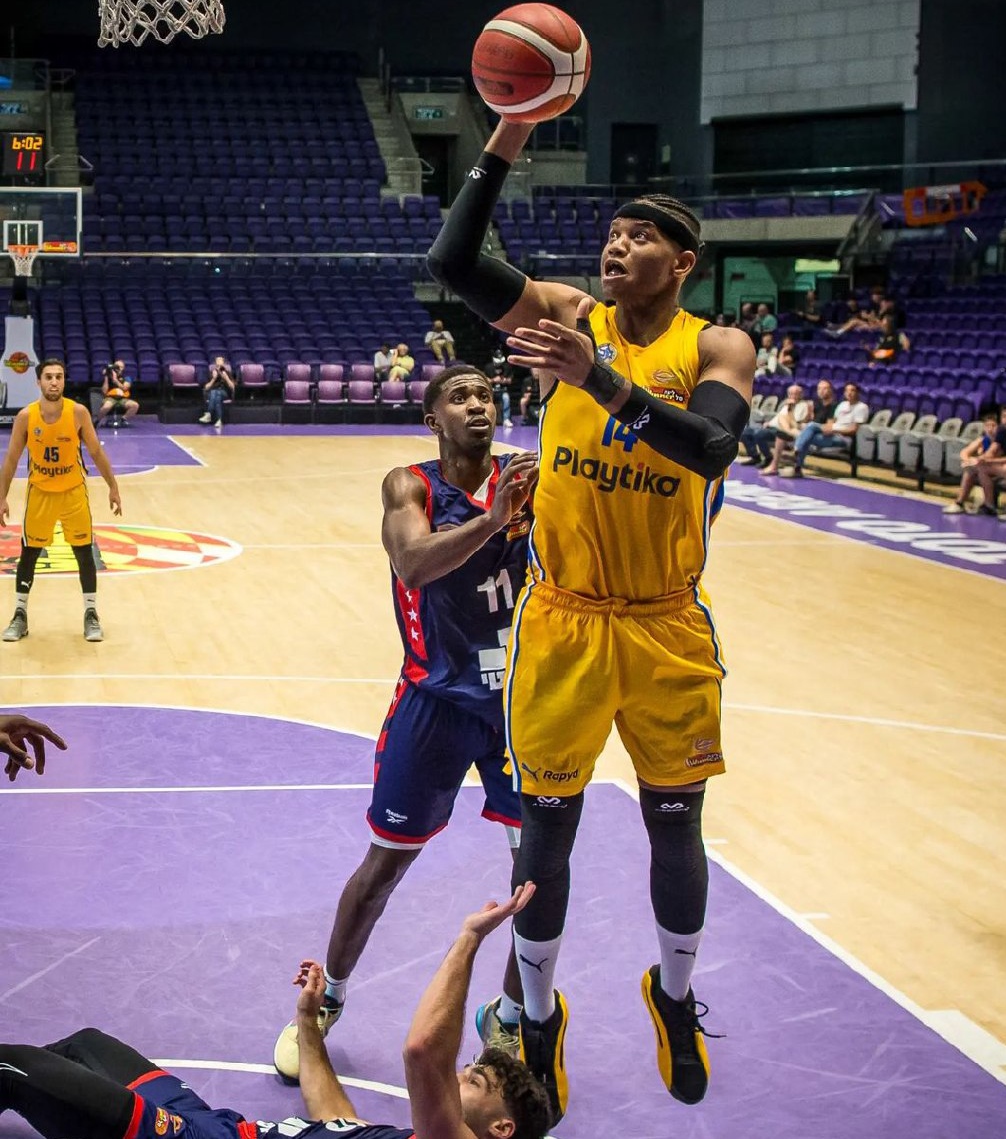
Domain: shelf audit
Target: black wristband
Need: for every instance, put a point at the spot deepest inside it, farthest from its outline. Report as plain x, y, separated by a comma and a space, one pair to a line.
602, 383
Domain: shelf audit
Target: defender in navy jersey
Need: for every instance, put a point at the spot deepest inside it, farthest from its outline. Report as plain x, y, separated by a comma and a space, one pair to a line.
92, 1086
455, 529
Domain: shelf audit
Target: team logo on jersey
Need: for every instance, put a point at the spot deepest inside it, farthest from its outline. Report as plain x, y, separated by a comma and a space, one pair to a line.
125, 549
519, 525
606, 353
161, 1121
668, 385
37, 433
704, 757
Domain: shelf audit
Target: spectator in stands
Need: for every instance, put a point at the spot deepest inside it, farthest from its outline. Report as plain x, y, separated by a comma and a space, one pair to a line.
767, 357
984, 462
787, 423
810, 311
747, 320
500, 374
216, 389
725, 320
855, 318
383, 360
765, 320
529, 400
789, 356
441, 342
115, 388
890, 307
402, 363
835, 434
891, 344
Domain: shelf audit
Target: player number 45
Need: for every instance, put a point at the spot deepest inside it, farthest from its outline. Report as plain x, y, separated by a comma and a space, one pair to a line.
615, 432
51, 455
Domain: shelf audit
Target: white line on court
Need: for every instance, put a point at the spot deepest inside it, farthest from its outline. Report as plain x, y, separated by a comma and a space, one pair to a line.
228, 678
48, 969
953, 1026
209, 788
269, 1070
188, 450
316, 546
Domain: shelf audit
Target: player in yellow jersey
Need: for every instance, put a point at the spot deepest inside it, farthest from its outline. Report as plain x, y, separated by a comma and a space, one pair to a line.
53, 429
642, 409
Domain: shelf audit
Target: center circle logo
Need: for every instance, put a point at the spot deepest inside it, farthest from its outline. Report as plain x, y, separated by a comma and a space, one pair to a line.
126, 549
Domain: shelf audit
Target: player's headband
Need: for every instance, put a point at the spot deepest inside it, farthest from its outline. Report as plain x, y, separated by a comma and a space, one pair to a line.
668, 224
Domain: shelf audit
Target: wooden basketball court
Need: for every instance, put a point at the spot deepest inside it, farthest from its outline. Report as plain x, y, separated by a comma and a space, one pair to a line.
864, 724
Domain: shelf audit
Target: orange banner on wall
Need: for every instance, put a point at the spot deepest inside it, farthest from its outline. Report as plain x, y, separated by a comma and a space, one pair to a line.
934, 205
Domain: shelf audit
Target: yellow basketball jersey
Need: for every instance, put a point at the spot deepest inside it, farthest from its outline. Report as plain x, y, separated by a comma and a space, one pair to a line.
612, 517
54, 458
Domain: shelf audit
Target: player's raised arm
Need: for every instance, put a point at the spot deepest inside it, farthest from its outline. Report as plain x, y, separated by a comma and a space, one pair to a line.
493, 289
15, 449
419, 556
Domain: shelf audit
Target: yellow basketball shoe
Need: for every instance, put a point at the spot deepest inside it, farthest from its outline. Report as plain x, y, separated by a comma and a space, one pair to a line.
543, 1048
286, 1054
681, 1049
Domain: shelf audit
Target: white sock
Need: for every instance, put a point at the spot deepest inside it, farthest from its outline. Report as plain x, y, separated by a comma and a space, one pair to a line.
21, 601
536, 961
90, 601
509, 1010
335, 991
677, 961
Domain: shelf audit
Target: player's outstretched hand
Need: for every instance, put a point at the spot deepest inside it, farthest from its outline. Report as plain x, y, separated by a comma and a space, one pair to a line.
514, 486
311, 979
493, 914
567, 353
16, 731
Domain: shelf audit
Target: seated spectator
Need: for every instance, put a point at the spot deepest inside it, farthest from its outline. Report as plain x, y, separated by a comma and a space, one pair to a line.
383, 360
983, 461
725, 320
115, 387
747, 320
855, 318
765, 321
836, 434
501, 375
219, 386
760, 439
440, 341
810, 311
402, 363
789, 356
891, 343
767, 356
786, 425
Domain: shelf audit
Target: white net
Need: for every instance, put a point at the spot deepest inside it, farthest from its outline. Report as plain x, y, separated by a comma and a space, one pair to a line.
23, 257
131, 21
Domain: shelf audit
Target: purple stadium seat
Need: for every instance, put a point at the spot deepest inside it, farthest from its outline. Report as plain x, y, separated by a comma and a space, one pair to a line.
297, 405
417, 389
182, 378
252, 379
394, 395
360, 396
298, 371
431, 370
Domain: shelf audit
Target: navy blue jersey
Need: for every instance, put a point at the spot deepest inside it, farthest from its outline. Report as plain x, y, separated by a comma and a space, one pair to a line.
455, 629
303, 1128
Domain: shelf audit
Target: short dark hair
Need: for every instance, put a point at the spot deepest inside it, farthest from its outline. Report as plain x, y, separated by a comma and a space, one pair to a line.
671, 216
436, 385
49, 362
523, 1093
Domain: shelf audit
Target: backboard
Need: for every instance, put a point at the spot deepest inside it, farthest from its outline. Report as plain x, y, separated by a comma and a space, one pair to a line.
58, 210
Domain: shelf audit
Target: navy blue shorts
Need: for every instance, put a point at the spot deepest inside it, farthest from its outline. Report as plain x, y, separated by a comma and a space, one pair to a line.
424, 752
166, 1108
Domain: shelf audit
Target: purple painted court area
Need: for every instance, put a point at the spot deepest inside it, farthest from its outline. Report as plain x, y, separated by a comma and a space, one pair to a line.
965, 541
141, 446
175, 919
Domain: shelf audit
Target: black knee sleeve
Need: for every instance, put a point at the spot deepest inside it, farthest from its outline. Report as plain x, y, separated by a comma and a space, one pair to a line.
679, 873
25, 575
86, 568
547, 833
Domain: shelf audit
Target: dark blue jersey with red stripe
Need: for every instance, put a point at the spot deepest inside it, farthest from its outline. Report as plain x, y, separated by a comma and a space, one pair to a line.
454, 630
303, 1128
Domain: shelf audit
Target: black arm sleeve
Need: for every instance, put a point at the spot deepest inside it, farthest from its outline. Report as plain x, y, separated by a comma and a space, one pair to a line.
488, 286
703, 439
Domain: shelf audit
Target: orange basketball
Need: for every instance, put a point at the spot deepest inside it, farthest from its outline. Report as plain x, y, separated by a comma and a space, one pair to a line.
531, 63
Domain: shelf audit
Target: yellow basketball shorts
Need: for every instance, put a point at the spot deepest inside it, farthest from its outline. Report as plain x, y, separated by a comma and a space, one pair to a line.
44, 508
575, 667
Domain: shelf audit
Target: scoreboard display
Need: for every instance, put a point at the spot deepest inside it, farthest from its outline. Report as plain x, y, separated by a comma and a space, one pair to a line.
24, 155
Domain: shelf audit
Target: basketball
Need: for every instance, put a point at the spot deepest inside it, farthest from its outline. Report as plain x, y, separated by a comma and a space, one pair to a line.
531, 63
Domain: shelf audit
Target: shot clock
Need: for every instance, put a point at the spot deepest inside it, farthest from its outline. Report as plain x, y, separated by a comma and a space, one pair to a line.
24, 155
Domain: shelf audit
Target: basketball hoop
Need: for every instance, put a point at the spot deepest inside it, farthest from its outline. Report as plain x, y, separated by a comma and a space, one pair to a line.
23, 257
131, 21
